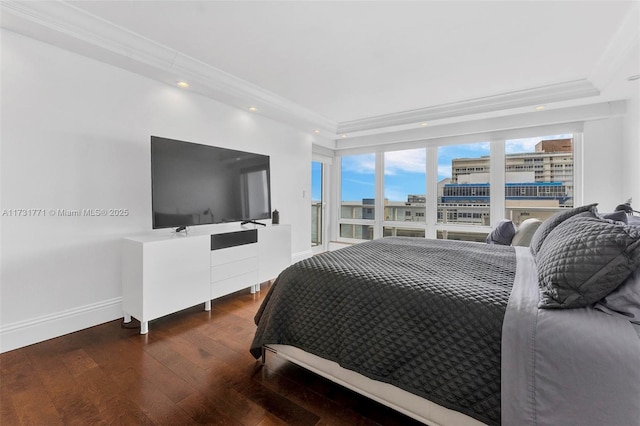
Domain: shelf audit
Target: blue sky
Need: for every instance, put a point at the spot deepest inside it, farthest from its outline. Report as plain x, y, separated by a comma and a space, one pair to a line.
316, 181
405, 170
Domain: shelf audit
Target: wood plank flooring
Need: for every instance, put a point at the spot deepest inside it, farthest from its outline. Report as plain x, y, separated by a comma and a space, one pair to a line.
193, 367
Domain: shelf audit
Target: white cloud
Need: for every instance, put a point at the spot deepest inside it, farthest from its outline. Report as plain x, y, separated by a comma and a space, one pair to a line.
407, 161
395, 194
444, 170
479, 146
521, 145
529, 144
361, 182
365, 164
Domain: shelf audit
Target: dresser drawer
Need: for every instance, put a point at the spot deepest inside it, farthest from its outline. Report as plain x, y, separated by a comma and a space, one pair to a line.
239, 282
233, 254
233, 269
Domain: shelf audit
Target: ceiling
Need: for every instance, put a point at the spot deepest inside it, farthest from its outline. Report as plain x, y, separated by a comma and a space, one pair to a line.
357, 66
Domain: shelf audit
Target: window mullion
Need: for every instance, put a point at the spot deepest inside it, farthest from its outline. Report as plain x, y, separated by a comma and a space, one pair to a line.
497, 181
431, 214
379, 202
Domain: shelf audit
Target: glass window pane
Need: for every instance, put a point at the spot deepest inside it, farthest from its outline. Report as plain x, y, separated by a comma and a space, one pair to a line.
463, 184
538, 176
360, 232
405, 185
316, 203
358, 186
392, 231
479, 237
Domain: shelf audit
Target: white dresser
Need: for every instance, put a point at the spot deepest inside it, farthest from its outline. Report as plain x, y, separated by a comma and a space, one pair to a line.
165, 273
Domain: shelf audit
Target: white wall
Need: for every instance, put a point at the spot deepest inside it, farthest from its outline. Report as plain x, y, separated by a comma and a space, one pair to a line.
631, 151
602, 164
75, 135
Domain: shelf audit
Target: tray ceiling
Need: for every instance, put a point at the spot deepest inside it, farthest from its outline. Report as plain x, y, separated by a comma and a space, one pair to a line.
353, 66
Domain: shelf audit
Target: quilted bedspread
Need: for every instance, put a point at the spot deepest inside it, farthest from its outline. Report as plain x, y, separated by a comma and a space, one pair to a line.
423, 315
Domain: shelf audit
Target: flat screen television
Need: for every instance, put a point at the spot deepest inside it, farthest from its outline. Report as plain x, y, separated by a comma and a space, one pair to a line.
195, 184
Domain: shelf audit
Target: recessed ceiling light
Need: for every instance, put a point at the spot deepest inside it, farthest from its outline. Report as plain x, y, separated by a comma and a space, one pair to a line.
424, 124
539, 107
634, 77
253, 109
182, 84
343, 136
316, 131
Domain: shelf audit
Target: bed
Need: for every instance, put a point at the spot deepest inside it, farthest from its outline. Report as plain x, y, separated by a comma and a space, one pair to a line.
451, 332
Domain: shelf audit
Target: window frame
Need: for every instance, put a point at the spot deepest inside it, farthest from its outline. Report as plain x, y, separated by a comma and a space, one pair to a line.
497, 170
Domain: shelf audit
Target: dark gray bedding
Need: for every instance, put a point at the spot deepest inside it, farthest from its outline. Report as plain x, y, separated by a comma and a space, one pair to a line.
423, 315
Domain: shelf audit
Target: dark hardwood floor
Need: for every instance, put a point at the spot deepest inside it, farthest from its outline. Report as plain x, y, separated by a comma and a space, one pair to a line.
193, 367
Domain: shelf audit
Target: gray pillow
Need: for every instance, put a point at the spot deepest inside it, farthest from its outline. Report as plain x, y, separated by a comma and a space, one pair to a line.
503, 233
555, 220
525, 232
584, 259
625, 300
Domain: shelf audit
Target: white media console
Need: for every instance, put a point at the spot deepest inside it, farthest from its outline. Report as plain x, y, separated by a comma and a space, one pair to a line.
165, 273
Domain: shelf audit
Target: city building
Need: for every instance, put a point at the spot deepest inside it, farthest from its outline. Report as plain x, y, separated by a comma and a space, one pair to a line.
552, 162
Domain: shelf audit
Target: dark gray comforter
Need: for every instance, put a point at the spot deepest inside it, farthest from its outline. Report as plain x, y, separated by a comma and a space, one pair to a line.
423, 315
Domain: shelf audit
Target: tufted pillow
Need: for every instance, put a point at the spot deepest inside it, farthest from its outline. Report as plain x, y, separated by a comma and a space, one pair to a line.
502, 234
555, 220
584, 259
625, 300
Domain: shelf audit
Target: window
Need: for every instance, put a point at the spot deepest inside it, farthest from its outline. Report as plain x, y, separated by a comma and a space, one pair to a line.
316, 203
542, 193
358, 232
479, 237
538, 181
358, 177
463, 186
389, 231
405, 184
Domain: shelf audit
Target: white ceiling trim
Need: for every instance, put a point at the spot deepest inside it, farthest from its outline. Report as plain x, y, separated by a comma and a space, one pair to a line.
137, 53
525, 132
485, 127
536, 96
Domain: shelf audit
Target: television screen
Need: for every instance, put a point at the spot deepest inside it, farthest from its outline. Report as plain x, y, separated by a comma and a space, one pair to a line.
194, 184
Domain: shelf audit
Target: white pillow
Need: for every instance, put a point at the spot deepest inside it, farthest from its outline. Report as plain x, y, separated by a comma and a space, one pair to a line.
525, 232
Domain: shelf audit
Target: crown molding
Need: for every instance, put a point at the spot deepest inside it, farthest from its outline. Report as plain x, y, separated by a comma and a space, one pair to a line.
485, 128
72, 28
536, 96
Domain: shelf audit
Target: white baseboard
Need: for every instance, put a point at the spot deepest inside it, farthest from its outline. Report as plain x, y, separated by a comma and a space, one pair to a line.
23, 333
301, 255
34, 330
